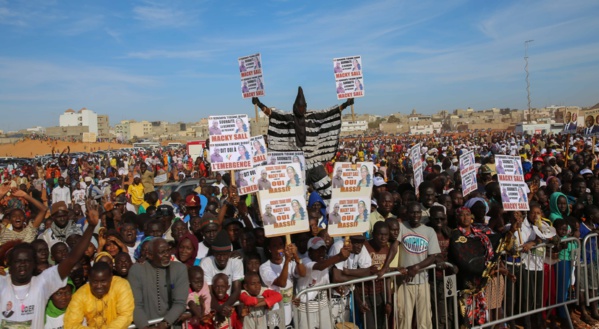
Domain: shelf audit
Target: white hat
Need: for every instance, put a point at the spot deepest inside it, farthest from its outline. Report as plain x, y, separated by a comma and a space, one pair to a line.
586, 171
316, 242
88, 179
379, 181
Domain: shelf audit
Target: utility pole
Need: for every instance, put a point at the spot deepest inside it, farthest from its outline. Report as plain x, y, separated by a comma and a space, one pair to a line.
527, 80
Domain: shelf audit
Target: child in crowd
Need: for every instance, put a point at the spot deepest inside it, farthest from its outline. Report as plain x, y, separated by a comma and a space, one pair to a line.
198, 301
220, 286
257, 301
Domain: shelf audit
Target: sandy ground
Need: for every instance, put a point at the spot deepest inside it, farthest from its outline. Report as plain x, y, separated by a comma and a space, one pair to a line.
31, 148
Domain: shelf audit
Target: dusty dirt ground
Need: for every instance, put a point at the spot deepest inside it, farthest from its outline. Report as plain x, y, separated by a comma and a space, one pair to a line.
31, 148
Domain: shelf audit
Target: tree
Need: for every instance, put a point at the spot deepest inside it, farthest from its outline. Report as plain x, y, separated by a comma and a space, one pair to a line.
393, 119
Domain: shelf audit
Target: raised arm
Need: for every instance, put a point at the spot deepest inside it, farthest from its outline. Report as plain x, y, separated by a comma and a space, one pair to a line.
264, 108
42, 209
65, 267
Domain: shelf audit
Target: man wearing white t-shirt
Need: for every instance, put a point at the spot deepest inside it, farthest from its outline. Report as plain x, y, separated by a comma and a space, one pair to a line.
27, 294
221, 262
357, 265
317, 274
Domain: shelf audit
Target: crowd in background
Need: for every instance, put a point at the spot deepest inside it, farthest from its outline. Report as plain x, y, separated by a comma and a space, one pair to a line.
89, 240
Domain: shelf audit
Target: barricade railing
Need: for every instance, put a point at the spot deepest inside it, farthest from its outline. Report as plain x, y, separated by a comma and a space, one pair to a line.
371, 302
589, 268
546, 280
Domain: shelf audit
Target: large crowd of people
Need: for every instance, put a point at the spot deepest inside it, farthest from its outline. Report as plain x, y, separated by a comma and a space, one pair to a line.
89, 241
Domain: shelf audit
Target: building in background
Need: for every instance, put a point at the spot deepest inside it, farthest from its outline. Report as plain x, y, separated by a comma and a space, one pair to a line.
81, 118
103, 126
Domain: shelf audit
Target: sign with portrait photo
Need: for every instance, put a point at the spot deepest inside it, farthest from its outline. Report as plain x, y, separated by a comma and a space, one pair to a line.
513, 188
570, 121
416, 158
228, 128
591, 122
247, 181
230, 156
250, 71
468, 173
282, 199
259, 151
349, 81
349, 208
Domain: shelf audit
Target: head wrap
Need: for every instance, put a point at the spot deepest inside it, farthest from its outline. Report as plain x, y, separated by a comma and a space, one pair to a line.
194, 243
222, 242
137, 253
470, 203
51, 310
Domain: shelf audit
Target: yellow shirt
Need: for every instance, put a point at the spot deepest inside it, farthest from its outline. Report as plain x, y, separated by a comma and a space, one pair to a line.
137, 194
114, 310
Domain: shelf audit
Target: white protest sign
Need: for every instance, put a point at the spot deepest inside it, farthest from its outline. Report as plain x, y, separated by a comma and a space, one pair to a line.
511, 183
230, 142
286, 158
416, 159
247, 181
282, 200
468, 173
258, 150
349, 208
348, 77
250, 70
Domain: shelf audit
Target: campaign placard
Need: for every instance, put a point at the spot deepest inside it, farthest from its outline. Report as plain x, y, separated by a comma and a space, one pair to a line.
349, 208
570, 121
591, 122
349, 80
228, 128
282, 199
259, 151
250, 71
231, 155
511, 183
273, 158
247, 181
468, 173
416, 158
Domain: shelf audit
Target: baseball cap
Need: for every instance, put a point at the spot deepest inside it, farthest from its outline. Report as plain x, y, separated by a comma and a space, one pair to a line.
316, 242
88, 179
586, 171
357, 238
230, 221
192, 201
58, 206
379, 181
119, 192
538, 159
165, 210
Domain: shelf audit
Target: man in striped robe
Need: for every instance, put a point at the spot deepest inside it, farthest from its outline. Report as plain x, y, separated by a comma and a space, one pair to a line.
316, 133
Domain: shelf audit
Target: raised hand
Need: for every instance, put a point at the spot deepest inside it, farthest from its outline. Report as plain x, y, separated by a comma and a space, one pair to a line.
93, 213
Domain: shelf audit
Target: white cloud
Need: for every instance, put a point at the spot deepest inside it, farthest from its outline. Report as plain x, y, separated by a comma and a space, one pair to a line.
157, 14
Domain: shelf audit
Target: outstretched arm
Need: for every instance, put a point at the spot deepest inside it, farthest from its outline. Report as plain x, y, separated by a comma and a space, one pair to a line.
264, 108
348, 102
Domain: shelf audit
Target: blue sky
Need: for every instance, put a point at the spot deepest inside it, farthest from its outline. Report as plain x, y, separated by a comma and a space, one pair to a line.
176, 60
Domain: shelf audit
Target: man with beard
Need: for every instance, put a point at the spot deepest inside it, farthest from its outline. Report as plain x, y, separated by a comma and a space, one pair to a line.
160, 288
103, 288
29, 294
221, 262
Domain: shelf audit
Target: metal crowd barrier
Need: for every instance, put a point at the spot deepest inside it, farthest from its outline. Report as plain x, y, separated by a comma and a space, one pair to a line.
328, 307
589, 268
543, 284
550, 288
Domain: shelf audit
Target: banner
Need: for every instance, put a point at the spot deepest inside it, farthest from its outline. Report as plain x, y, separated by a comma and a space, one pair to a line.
250, 70
591, 122
259, 151
468, 173
416, 159
229, 142
349, 208
282, 199
348, 77
247, 181
570, 121
511, 183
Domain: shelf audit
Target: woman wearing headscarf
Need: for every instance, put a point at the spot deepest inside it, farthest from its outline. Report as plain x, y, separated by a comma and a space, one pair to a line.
57, 306
187, 250
558, 206
470, 248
